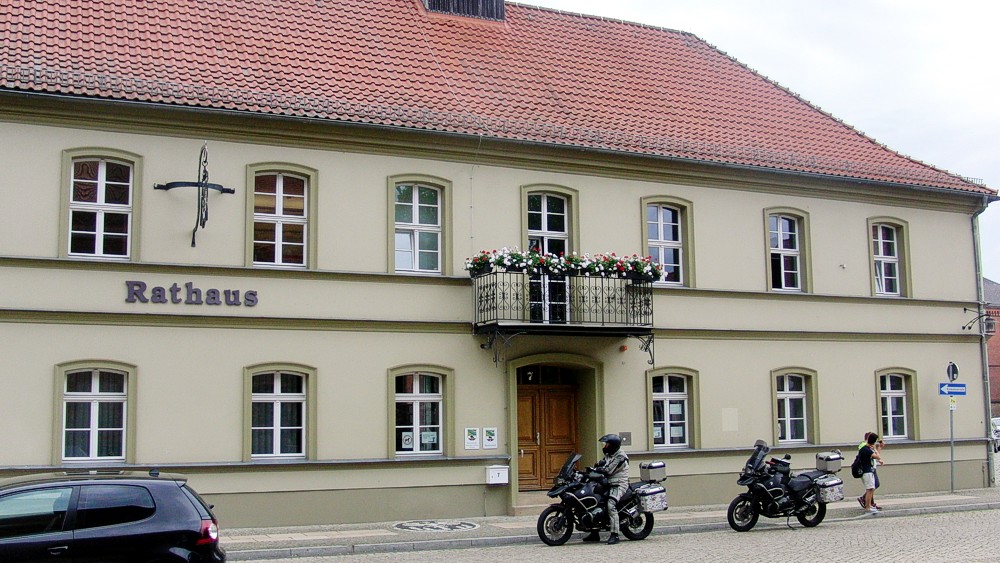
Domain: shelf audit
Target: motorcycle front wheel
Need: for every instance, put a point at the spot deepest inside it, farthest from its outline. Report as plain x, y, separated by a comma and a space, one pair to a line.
637, 527
813, 515
742, 514
554, 525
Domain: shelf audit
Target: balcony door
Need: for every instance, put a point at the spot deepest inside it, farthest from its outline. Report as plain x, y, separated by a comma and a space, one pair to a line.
548, 232
546, 424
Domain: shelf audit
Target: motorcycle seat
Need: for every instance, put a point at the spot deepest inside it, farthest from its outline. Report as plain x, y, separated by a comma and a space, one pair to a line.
800, 483
813, 475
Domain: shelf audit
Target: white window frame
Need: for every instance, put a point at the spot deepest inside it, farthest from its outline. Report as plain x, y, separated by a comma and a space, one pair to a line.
407, 259
786, 398
886, 265
888, 412
276, 398
777, 233
659, 246
415, 399
280, 219
544, 290
100, 208
667, 399
94, 399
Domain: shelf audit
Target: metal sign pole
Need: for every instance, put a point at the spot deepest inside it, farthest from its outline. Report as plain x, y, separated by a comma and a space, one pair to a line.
951, 430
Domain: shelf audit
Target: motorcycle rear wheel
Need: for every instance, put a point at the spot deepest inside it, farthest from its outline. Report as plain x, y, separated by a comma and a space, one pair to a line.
554, 525
742, 514
813, 515
637, 527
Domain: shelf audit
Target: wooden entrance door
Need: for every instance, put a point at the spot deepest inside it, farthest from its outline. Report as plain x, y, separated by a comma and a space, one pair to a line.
546, 433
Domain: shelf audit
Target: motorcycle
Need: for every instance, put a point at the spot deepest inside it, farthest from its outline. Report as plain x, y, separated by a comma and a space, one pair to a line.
583, 503
775, 492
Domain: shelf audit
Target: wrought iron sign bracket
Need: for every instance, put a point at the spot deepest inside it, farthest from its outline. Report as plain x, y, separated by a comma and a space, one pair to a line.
499, 351
203, 186
645, 344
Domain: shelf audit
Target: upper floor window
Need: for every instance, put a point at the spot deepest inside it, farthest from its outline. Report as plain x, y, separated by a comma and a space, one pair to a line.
788, 249
278, 414
792, 408
893, 405
100, 207
548, 223
885, 251
280, 219
671, 412
419, 420
94, 414
889, 251
418, 228
668, 237
786, 259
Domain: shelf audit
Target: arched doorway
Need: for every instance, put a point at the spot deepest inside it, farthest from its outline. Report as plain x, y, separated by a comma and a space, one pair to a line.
548, 425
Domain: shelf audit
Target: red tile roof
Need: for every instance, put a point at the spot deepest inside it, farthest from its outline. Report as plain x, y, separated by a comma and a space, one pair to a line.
541, 76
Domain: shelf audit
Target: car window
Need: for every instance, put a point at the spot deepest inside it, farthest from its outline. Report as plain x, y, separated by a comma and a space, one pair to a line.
204, 509
33, 512
105, 505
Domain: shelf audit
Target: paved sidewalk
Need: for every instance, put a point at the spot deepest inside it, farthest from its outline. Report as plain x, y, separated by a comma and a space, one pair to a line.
246, 544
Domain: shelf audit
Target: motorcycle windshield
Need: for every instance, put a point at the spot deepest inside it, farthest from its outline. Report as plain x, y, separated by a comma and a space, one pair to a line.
567, 469
757, 457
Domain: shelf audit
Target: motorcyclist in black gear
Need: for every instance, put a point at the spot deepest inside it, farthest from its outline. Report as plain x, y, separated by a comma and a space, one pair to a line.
615, 466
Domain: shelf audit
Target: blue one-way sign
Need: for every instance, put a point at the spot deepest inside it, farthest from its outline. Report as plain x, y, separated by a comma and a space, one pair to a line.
951, 389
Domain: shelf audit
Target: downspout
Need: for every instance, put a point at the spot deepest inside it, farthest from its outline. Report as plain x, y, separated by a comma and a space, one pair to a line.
983, 352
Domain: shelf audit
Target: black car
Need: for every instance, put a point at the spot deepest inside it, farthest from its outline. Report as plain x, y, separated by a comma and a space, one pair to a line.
106, 517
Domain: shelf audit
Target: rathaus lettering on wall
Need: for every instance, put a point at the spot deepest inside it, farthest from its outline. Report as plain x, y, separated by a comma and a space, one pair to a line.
188, 294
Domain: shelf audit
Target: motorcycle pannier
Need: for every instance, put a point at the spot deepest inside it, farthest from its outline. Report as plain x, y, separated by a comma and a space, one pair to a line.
831, 488
652, 498
652, 471
829, 461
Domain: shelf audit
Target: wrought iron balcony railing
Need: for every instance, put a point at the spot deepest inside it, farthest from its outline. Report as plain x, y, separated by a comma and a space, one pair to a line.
553, 303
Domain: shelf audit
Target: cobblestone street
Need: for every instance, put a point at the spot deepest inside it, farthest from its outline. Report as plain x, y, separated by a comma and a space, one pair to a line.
964, 536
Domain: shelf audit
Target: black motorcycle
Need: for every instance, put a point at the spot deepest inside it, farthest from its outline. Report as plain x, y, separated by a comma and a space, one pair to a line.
583, 503
775, 492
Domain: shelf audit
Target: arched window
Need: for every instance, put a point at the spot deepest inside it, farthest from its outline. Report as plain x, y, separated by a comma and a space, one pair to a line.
96, 413
280, 219
792, 408
418, 228
419, 401
278, 417
671, 411
100, 201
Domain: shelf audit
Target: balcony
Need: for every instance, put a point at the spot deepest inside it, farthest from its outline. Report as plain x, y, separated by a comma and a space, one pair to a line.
527, 303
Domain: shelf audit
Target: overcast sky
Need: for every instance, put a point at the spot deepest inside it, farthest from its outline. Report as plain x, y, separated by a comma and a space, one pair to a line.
920, 76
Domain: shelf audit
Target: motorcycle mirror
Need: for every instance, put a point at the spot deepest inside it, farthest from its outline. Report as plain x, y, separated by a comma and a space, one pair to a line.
787, 457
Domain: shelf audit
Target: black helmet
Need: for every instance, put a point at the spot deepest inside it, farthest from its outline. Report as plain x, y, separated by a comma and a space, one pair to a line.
612, 443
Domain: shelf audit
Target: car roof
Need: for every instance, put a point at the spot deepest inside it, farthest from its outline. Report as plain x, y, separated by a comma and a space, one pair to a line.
84, 475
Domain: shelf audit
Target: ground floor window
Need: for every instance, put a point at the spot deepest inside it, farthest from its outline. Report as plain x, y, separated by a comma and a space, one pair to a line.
419, 409
792, 408
894, 404
278, 417
94, 414
670, 410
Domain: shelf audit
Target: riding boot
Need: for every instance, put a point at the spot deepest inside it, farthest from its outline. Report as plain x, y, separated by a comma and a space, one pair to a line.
592, 536
613, 539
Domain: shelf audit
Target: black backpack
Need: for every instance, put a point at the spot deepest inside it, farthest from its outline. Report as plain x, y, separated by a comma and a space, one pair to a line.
856, 470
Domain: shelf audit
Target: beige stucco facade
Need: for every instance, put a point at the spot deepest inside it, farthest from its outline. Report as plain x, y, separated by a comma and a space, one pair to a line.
351, 323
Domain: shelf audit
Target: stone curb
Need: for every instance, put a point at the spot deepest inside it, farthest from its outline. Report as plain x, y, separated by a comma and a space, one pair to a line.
499, 541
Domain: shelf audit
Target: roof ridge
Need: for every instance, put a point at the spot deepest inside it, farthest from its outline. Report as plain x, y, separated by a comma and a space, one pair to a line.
599, 18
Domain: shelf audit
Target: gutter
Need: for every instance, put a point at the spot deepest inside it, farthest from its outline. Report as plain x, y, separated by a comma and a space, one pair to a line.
983, 351
975, 189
